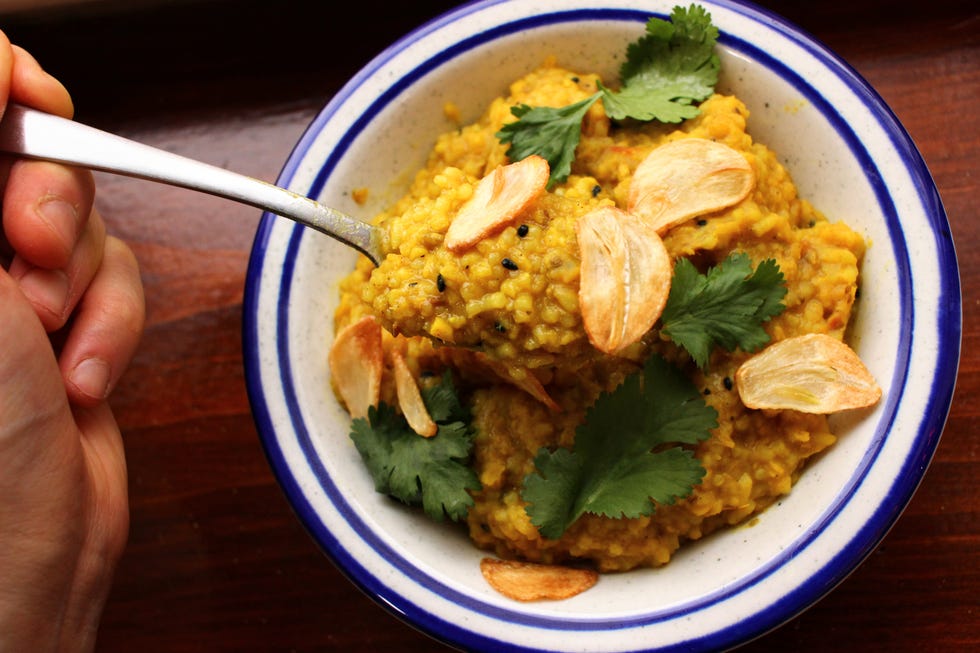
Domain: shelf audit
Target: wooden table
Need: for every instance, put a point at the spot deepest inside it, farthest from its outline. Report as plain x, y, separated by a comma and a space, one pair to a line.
216, 559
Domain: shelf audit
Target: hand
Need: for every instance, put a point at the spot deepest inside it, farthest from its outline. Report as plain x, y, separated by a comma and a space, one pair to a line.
71, 315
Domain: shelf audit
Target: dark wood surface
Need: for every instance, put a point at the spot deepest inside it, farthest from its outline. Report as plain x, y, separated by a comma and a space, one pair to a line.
216, 560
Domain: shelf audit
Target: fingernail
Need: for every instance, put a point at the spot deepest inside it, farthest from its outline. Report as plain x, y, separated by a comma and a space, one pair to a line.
91, 377
47, 289
61, 216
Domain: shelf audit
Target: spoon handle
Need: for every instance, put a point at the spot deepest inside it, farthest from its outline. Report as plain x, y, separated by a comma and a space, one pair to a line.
38, 135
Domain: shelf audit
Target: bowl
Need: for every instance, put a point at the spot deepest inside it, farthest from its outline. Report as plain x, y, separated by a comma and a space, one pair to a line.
847, 153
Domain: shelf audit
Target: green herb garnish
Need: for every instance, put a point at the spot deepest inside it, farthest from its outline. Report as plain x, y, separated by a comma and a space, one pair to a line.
724, 307
434, 472
666, 71
551, 133
627, 453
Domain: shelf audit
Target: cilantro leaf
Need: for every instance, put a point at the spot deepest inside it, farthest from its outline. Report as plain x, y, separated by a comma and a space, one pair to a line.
671, 67
552, 133
667, 105
625, 455
429, 472
725, 307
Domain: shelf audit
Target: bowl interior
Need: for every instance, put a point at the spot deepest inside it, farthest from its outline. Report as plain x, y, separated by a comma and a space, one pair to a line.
843, 152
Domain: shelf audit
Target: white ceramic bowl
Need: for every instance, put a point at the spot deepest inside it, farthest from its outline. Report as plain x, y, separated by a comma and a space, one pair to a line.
847, 153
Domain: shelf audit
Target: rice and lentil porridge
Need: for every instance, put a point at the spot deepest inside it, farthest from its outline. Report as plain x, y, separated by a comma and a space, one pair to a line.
513, 299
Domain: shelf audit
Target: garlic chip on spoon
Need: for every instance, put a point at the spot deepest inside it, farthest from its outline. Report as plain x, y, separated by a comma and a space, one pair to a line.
624, 278
686, 178
812, 373
499, 198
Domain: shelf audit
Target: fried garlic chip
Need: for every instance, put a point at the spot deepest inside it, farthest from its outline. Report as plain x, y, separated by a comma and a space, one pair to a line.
410, 398
686, 178
356, 361
499, 198
813, 373
624, 279
528, 581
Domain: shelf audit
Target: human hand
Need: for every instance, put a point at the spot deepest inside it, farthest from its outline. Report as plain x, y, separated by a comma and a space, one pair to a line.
71, 315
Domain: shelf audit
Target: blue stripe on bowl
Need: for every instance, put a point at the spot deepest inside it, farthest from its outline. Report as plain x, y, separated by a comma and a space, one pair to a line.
791, 603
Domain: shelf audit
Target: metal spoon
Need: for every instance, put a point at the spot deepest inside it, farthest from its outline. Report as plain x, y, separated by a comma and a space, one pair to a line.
37, 135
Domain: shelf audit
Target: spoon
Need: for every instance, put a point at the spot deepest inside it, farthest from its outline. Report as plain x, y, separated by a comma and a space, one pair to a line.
38, 135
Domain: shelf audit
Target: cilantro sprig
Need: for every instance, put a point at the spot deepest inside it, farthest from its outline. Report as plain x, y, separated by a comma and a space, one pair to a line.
724, 307
668, 70
627, 454
551, 133
433, 473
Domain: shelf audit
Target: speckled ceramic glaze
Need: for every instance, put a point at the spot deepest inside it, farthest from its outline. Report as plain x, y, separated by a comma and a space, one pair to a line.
847, 153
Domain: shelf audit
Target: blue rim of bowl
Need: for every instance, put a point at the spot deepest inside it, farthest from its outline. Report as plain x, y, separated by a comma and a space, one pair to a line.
791, 603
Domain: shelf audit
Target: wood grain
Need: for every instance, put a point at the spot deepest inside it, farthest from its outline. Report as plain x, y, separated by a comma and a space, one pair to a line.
216, 560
